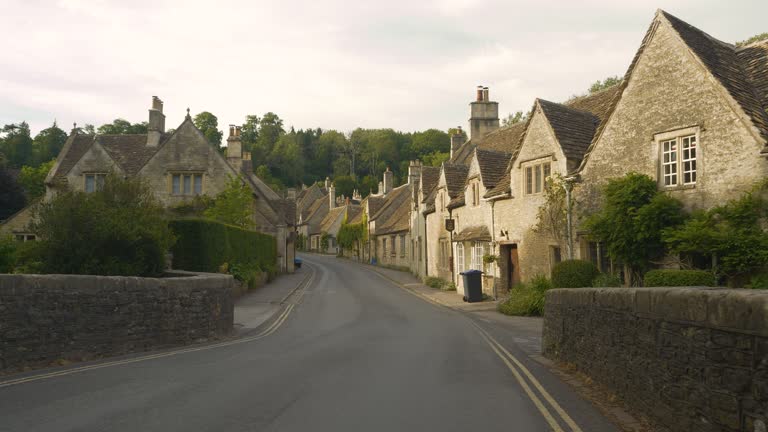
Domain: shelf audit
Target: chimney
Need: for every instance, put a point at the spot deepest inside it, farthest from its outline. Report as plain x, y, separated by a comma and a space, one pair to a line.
484, 116
380, 190
414, 171
235, 148
457, 140
291, 194
331, 195
389, 179
156, 126
327, 182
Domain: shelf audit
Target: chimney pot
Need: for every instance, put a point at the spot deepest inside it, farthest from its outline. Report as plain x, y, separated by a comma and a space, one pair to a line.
485, 94
479, 93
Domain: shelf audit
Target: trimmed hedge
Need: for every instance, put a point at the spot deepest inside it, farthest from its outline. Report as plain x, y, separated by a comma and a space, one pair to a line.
574, 274
673, 278
204, 245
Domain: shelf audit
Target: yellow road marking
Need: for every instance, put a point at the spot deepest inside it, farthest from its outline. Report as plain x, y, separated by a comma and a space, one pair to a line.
266, 332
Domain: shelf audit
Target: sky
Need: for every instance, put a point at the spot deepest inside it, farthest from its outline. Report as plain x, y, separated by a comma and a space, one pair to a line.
339, 64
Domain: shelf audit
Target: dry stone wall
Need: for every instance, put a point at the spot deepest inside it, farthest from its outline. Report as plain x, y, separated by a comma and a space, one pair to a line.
48, 318
691, 359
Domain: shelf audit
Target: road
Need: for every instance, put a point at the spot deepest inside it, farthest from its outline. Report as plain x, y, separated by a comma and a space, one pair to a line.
351, 351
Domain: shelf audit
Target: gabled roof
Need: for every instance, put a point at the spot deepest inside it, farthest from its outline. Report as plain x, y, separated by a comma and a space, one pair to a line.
390, 201
374, 204
503, 187
722, 62
506, 139
455, 177
318, 210
754, 59
493, 164
429, 178
394, 215
130, 152
330, 218
73, 150
573, 128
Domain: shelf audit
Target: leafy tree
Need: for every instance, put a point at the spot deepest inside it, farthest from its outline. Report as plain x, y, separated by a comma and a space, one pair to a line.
88, 129
344, 185
604, 84
233, 205
553, 213
48, 143
33, 179
632, 219
270, 130
16, 144
287, 159
11, 194
263, 172
517, 117
430, 141
122, 127
249, 134
118, 230
209, 126
435, 159
755, 38
731, 235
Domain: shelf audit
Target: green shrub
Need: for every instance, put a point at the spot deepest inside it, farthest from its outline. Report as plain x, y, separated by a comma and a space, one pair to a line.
449, 287
204, 245
604, 280
759, 281
8, 246
673, 278
119, 230
434, 282
247, 273
573, 274
527, 299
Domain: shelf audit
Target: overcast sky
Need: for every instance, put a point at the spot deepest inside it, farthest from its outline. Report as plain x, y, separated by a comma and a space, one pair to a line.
339, 64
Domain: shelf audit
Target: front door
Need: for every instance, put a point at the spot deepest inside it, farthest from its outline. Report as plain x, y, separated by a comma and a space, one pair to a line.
514, 267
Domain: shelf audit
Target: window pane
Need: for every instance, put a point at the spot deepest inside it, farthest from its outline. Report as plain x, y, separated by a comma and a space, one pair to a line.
187, 185
669, 162
198, 184
547, 170
537, 169
176, 188
90, 183
689, 159
99, 181
529, 180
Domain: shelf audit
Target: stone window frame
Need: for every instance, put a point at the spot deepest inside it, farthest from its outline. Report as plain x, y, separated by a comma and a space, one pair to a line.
678, 135
541, 167
460, 258
402, 245
97, 175
193, 174
474, 190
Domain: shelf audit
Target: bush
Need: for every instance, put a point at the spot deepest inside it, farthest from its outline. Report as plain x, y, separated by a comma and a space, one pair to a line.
527, 299
434, 282
204, 245
604, 280
118, 230
573, 274
8, 246
676, 278
246, 273
759, 281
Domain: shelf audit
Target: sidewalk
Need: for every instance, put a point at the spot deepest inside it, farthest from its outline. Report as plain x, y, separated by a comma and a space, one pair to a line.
259, 305
446, 298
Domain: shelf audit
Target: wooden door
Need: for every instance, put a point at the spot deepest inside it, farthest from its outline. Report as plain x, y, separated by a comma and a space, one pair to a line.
514, 267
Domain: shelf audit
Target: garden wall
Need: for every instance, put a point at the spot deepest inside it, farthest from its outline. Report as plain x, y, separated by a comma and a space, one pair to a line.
691, 359
48, 318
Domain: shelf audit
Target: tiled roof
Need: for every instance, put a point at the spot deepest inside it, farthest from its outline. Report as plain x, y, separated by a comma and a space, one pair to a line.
722, 61
130, 152
79, 145
754, 58
479, 232
330, 218
502, 187
506, 139
493, 164
390, 202
573, 129
374, 204
455, 177
317, 213
429, 178
394, 216
456, 202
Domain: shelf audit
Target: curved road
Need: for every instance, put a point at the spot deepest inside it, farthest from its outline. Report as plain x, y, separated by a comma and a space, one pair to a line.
351, 352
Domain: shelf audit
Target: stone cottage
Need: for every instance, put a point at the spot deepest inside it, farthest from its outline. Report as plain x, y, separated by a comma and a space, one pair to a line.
178, 166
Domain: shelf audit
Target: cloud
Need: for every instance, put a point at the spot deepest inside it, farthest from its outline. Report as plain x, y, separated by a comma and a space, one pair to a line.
332, 64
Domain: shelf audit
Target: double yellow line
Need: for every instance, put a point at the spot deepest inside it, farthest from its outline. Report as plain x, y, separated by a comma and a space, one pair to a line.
264, 333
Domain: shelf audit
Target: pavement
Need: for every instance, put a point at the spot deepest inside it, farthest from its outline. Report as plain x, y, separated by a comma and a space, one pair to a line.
348, 350
255, 308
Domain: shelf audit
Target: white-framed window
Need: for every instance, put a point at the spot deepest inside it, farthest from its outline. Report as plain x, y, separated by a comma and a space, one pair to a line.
474, 190
459, 257
535, 177
25, 237
186, 183
678, 157
478, 250
94, 181
443, 252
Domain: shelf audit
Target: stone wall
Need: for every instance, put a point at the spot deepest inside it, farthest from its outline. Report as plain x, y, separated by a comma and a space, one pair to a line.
691, 359
48, 318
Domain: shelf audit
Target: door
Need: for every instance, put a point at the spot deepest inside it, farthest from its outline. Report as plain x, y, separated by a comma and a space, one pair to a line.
514, 267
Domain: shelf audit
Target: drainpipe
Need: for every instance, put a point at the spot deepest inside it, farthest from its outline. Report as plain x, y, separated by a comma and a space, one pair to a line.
493, 247
568, 185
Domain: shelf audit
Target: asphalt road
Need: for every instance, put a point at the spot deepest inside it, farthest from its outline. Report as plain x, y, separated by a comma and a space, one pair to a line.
349, 352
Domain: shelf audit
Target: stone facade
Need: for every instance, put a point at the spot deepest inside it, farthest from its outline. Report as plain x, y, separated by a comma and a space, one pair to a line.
47, 318
688, 358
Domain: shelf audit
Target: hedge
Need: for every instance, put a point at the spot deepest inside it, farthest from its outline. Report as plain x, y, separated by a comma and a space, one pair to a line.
573, 274
672, 278
204, 245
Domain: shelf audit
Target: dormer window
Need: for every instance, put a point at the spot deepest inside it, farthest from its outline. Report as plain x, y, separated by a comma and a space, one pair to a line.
535, 176
94, 182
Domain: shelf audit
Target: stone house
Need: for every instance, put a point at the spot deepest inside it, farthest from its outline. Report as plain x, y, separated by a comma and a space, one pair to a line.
691, 112
423, 186
389, 233
178, 166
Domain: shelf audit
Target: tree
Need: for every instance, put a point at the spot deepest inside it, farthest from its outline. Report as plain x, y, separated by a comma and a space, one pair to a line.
552, 216
249, 133
48, 143
631, 221
270, 130
209, 126
263, 172
430, 141
33, 179
287, 159
435, 159
233, 205
517, 117
11, 194
604, 84
344, 185
122, 127
755, 38
118, 230
16, 144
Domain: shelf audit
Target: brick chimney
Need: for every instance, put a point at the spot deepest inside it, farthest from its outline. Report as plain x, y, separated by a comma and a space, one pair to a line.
389, 180
235, 148
331, 194
484, 115
457, 140
156, 126
414, 171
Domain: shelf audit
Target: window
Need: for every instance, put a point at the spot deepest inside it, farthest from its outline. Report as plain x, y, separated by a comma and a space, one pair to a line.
418, 246
678, 161
187, 184
598, 254
555, 255
402, 246
459, 257
25, 237
383, 247
442, 202
94, 182
478, 250
475, 191
443, 253
536, 177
